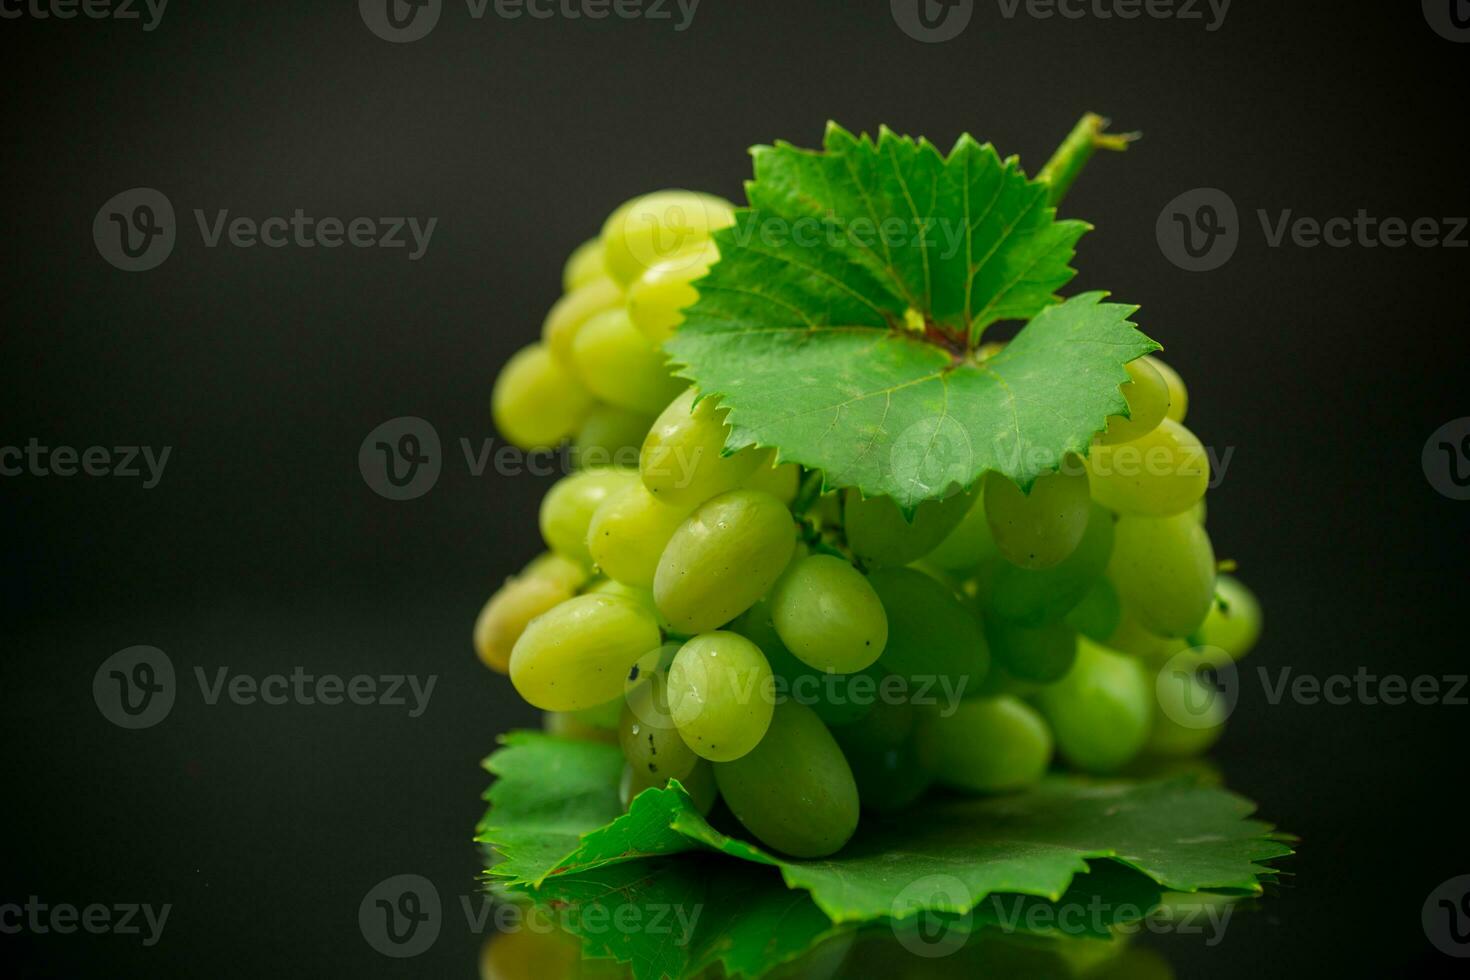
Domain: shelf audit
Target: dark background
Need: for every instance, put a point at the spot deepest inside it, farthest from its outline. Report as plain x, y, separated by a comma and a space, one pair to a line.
263, 548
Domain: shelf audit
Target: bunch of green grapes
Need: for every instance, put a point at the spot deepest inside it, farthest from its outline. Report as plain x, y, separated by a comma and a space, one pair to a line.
804, 653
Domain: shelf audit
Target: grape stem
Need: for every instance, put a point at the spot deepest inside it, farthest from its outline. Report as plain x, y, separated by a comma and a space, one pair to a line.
1087, 137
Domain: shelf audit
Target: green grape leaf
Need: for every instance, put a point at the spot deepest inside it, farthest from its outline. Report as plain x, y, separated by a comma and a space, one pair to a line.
677, 917
670, 917
841, 324
1178, 833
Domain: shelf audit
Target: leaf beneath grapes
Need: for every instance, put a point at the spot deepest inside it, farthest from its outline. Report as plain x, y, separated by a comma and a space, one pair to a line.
676, 917
679, 916
550, 792
1181, 835
836, 323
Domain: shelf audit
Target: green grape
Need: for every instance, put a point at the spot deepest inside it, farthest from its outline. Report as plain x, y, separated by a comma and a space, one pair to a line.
1000, 683
1233, 623
503, 619
1178, 394
1164, 571
722, 559
633, 593
1032, 598
619, 365
1097, 613
968, 545
1101, 711
610, 436
1190, 716
539, 949
1157, 475
780, 481
654, 750
629, 531
566, 724
657, 299
699, 783
1131, 637
682, 461
1200, 512
577, 654
583, 265
795, 790
891, 763
1039, 529
567, 508
1147, 394
536, 402
721, 695
934, 642
879, 534
1135, 962
828, 615
557, 568
838, 699
664, 226
570, 314
990, 745
605, 716
1042, 655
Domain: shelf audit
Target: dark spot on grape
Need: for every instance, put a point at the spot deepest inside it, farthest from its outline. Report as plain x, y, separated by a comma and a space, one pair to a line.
652, 767
633, 674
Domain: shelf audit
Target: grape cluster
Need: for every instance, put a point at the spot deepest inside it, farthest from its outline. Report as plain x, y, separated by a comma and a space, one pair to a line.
802, 652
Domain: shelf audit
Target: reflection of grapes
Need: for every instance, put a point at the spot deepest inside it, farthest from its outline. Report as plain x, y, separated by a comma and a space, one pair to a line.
715, 613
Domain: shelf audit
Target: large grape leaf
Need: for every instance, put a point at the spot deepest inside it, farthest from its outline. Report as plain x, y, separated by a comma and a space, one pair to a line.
669, 917
840, 324
1182, 835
